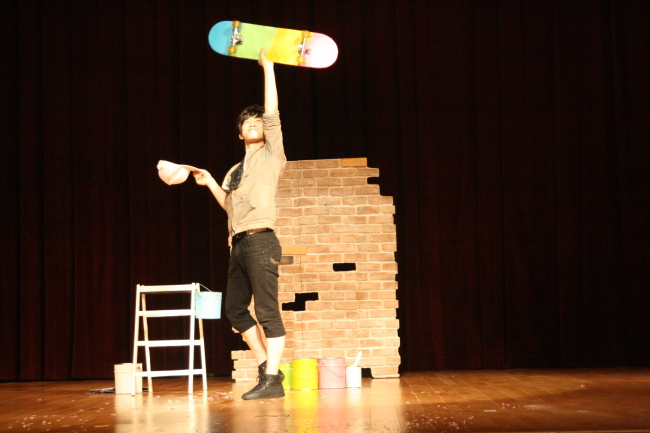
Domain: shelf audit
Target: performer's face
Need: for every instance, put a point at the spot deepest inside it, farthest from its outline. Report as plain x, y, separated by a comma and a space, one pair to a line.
252, 129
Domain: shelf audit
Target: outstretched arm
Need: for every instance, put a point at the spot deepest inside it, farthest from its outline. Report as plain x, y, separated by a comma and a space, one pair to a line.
270, 88
203, 177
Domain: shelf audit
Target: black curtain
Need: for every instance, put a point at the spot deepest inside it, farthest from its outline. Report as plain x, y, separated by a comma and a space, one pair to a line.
513, 136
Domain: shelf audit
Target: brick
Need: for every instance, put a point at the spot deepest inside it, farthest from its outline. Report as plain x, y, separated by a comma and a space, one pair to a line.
345, 305
369, 228
316, 210
389, 285
382, 372
304, 164
389, 267
384, 352
345, 324
318, 325
355, 238
353, 181
333, 315
320, 344
381, 219
343, 172
391, 323
381, 257
370, 304
343, 191
334, 333
382, 333
288, 212
388, 228
355, 200
382, 276
380, 199
329, 239
369, 285
368, 266
288, 192
390, 246
382, 294
388, 209
318, 249
332, 296
328, 181
330, 276
343, 248
391, 304
328, 219
315, 229
328, 163
382, 313
304, 201
318, 305
355, 258
329, 201
367, 172
344, 285
367, 190
354, 162
305, 316
314, 191
317, 287
332, 353
313, 173
367, 248
372, 342
356, 314
344, 343
330, 258
317, 267
342, 210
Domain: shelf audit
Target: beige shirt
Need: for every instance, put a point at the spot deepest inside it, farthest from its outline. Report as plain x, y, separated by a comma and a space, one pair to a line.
252, 204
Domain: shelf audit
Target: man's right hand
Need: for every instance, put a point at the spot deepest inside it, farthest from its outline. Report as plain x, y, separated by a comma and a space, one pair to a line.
203, 177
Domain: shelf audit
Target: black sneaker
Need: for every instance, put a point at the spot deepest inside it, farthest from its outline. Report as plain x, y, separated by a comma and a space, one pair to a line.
261, 369
268, 386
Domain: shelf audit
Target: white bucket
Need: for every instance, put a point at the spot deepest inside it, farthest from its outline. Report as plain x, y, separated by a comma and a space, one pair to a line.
124, 379
353, 377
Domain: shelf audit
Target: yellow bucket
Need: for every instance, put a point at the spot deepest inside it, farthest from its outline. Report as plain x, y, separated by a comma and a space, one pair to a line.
305, 373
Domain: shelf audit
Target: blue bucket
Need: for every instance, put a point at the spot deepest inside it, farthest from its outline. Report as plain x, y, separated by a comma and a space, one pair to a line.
208, 305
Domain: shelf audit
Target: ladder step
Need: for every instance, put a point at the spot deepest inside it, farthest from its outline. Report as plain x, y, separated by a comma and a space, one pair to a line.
165, 373
165, 313
164, 343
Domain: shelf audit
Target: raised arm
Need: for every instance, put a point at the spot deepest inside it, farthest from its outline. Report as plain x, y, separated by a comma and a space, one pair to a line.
270, 88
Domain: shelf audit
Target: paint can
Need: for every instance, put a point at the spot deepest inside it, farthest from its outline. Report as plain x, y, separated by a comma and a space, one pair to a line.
286, 369
304, 374
353, 377
208, 305
331, 373
124, 379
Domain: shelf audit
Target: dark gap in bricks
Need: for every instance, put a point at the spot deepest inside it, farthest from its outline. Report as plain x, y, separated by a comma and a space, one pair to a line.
366, 372
345, 267
299, 303
286, 260
373, 181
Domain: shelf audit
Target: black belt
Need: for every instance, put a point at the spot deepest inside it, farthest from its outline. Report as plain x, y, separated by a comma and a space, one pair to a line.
250, 232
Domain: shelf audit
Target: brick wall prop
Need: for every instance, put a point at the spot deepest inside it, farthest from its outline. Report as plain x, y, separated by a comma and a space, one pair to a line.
338, 242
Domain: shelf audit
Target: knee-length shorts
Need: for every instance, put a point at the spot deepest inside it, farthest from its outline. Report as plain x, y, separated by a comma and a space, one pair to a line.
253, 273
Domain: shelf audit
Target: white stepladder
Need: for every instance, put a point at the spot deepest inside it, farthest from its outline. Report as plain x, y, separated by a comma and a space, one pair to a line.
142, 312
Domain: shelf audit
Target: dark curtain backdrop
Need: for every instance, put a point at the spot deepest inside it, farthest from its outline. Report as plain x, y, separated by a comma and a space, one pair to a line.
513, 136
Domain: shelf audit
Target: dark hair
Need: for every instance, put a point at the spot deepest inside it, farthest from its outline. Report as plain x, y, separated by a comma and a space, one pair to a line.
252, 111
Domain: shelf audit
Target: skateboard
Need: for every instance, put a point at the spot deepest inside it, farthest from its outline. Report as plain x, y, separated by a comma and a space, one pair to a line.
286, 46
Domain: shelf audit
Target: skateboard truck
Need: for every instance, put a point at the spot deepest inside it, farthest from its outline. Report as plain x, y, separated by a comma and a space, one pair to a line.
236, 38
304, 48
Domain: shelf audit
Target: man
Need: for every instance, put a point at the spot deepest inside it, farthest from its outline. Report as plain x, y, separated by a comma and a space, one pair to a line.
248, 196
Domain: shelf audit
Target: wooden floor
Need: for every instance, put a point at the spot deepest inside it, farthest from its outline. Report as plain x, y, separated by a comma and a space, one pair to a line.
582, 400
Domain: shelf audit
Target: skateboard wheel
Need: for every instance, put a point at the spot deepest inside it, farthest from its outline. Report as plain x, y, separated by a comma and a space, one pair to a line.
236, 24
232, 50
301, 60
306, 33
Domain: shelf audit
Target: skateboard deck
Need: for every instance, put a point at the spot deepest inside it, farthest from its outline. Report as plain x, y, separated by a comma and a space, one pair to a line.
290, 47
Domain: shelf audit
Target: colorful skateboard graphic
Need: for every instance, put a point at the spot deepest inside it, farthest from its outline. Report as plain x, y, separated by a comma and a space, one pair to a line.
286, 46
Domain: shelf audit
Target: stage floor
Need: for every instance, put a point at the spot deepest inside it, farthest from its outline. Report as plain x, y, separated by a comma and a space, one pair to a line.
563, 400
